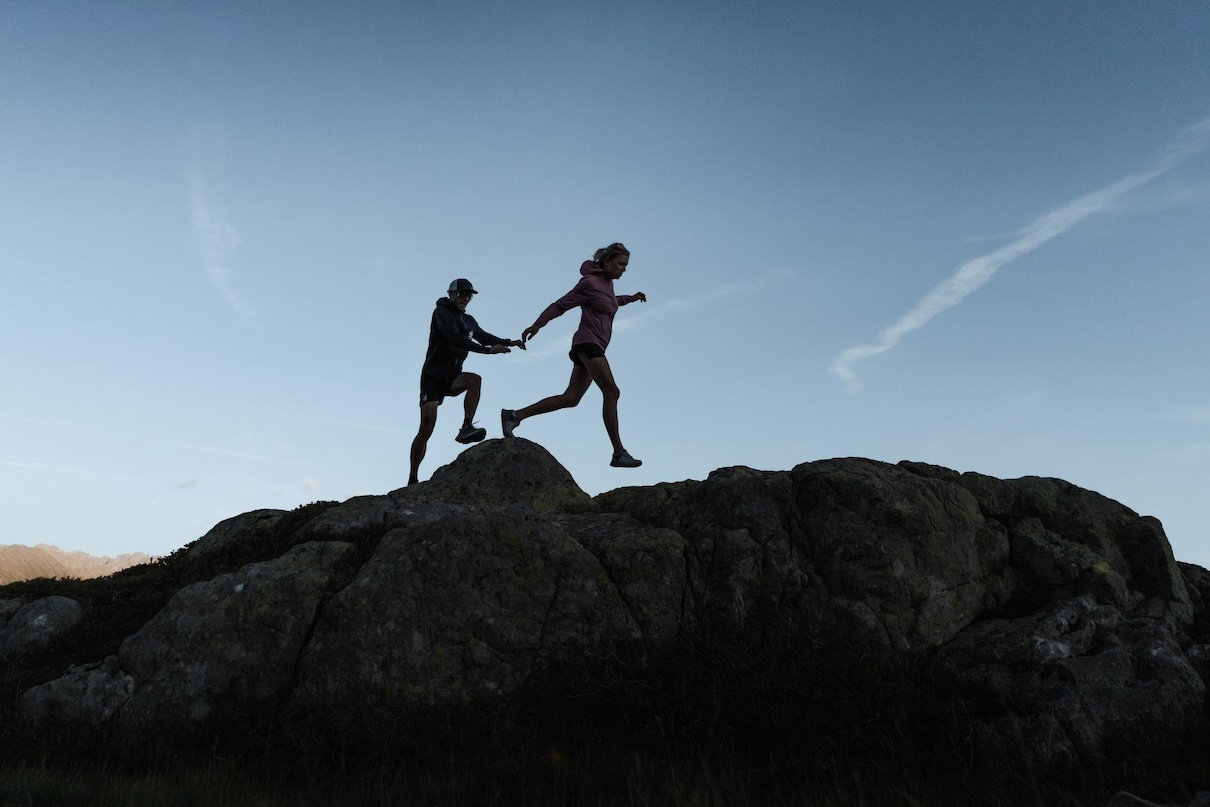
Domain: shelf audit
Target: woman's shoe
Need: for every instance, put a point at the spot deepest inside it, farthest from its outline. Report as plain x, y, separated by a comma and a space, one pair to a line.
622, 459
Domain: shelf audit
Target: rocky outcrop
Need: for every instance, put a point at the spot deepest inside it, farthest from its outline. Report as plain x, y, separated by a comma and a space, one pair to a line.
221, 650
1060, 616
234, 531
26, 631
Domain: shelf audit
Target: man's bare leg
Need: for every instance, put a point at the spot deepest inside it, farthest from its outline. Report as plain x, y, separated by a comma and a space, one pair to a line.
428, 421
472, 385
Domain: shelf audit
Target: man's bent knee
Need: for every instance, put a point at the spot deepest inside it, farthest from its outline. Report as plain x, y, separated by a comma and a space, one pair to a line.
464, 382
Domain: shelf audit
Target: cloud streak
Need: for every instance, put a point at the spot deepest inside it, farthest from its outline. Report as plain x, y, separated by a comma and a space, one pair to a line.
1189, 414
215, 237
366, 427
45, 466
973, 274
704, 298
1195, 451
230, 452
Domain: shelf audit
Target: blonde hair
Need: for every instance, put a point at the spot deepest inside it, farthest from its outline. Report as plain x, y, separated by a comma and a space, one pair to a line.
606, 254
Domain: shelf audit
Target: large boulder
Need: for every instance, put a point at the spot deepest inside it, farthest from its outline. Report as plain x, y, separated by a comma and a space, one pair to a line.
839, 550
461, 608
1060, 616
234, 531
220, 651
502, 473
8, 607
27, 631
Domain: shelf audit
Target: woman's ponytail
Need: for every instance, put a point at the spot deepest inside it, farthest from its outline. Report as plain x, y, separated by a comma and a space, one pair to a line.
606, 254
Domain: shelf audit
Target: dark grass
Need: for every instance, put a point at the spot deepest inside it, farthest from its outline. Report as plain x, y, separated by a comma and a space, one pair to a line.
707, 725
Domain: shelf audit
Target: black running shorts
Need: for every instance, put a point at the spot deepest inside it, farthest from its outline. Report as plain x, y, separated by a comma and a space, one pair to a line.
434, 389
585, 351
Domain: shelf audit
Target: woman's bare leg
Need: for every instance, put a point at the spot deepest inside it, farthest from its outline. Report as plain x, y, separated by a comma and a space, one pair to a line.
576, 387
602, 376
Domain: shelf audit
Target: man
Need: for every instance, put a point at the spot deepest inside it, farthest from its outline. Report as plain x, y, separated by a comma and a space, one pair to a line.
452, 335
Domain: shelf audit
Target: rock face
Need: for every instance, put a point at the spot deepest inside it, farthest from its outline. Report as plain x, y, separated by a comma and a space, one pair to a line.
218, 649
1061, 615
27, 630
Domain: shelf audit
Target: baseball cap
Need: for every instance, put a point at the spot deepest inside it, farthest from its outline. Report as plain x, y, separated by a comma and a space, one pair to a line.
462, 284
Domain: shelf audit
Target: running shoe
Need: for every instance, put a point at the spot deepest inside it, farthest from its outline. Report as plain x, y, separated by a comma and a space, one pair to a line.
622, 459
471, 434
508, 421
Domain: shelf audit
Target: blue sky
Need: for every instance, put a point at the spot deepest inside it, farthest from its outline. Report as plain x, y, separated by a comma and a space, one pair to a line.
965, 233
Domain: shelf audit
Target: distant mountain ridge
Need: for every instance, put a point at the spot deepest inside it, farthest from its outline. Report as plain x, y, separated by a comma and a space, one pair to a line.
19, 562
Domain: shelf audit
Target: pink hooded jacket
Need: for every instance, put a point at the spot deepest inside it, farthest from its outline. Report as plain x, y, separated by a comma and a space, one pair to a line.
594, 295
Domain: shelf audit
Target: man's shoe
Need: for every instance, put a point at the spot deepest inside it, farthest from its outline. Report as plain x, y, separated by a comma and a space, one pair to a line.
470, 434
622, 459
508, 421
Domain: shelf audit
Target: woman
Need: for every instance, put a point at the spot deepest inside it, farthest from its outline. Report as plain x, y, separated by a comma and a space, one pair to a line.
597, 302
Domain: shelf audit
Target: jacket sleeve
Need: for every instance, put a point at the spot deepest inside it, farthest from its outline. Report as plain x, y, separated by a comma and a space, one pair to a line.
481, 336
568, 301
623, 299
445, 324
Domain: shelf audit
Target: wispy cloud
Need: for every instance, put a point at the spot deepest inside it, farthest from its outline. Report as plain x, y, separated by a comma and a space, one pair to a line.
1189, 414
1193, 451
1159, 198
711, 296
973, 274
367, 427
38, 422
65, 469
701, 299
232, 452
216, 238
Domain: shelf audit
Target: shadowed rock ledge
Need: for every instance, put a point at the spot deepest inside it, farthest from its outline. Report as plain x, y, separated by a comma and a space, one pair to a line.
1059, 617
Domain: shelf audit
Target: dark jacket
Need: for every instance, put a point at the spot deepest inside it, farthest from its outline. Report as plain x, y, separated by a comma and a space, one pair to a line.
452, 335
595, 296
